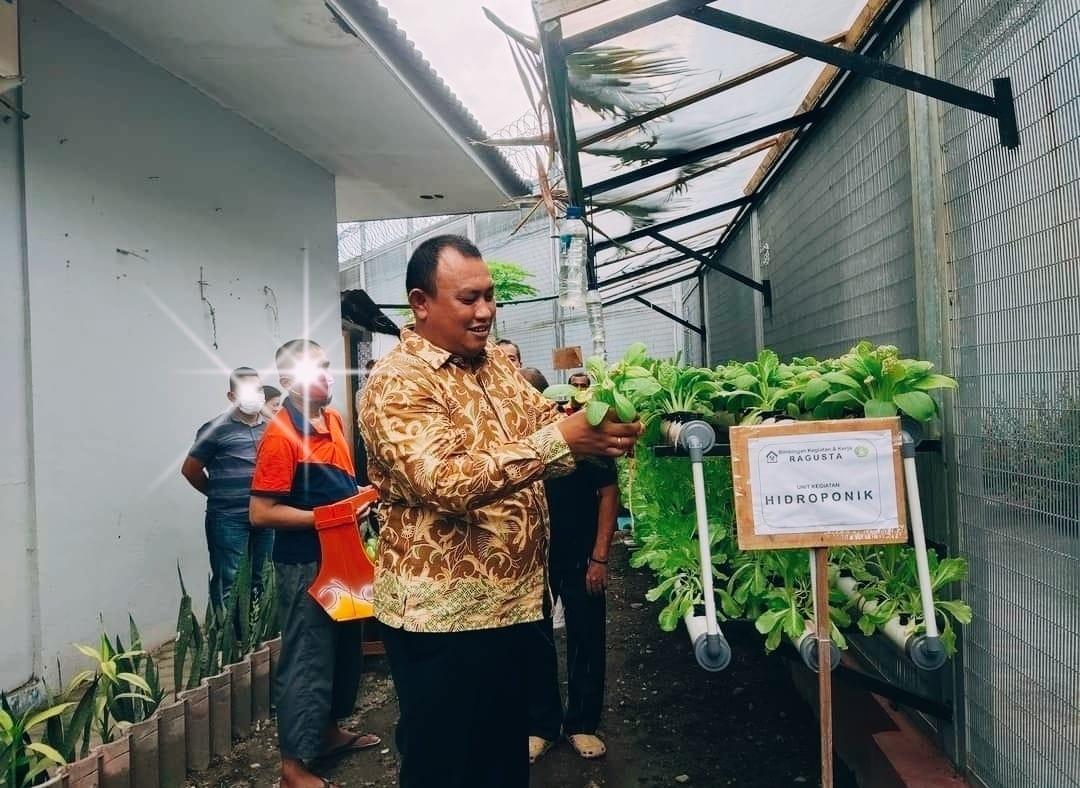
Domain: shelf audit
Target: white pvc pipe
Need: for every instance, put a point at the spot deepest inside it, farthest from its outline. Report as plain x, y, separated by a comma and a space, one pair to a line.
896, 632
704, 548
924, 653
911, 481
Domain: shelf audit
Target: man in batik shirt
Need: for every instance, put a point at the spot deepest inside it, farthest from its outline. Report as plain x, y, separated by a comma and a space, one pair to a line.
459, 445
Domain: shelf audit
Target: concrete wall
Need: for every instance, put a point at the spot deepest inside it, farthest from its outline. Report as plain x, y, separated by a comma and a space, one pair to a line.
138, 187
17, 561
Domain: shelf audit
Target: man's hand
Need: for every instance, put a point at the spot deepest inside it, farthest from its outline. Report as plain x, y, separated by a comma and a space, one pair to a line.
195, 472
608, 439
596, 579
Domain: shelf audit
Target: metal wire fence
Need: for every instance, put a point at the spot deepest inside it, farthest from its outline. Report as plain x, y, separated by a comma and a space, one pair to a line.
841, 233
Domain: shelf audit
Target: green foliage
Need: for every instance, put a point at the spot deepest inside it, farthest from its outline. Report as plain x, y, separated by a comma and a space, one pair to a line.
619, 389
1031, 452
23, 761
509, 279
226, 635
122, 696
70, 735
773, 588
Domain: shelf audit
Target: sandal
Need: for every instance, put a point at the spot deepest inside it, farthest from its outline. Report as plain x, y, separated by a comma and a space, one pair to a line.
587, 745
359, 741
537, 747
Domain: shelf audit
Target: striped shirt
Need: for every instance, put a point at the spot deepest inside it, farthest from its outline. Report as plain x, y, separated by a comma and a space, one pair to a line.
227, 446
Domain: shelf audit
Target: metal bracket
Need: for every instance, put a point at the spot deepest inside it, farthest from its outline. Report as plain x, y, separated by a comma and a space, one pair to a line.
999, 106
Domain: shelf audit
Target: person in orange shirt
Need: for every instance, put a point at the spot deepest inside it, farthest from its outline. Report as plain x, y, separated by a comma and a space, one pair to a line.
304, 462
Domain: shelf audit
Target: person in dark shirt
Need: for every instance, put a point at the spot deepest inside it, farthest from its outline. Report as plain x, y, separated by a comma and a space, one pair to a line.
582, 510
304, 462
219, 465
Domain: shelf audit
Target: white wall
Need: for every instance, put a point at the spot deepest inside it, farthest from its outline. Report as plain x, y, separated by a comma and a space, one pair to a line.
120, 155
16, 494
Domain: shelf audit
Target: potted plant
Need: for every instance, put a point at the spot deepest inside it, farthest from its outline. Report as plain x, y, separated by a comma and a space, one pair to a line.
22, 760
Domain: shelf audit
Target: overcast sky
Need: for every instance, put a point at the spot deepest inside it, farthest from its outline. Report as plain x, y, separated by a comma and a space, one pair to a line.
470, 53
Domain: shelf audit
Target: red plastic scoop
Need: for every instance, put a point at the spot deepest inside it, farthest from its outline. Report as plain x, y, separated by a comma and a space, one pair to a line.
343, 587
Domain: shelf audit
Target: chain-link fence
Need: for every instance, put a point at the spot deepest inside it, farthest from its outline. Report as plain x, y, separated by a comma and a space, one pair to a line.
843, 233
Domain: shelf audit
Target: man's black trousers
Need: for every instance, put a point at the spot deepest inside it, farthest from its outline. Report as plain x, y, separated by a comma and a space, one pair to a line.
463, 702
586, 618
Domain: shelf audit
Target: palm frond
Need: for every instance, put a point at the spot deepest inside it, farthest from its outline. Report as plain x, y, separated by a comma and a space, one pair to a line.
643, 212
619, 82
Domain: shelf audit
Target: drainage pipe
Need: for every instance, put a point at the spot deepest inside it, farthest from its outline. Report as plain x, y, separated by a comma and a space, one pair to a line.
710, 648
931, 650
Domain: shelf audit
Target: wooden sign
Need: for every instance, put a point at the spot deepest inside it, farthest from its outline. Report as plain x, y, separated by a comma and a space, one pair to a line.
566, 357
818, 483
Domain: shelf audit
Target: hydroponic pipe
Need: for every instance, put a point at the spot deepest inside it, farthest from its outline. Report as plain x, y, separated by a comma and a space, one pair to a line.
807, 646
710, 648
705, 650
931, 648
902, 637
807, 643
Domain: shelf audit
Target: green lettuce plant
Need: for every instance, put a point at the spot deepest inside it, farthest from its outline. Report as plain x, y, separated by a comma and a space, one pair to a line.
873, 382
619, 389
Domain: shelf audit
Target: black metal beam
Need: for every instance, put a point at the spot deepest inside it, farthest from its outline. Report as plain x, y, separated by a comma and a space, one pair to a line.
554, 50
629, 23
761, 287
654, 249
639, 272
671, 316
705, 152
645, 232
645, 290
1000, 106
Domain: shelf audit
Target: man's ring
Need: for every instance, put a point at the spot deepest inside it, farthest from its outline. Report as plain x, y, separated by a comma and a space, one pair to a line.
620, 444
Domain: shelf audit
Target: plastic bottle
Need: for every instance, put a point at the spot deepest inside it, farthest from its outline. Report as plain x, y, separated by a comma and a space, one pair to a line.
572, 253
594, 309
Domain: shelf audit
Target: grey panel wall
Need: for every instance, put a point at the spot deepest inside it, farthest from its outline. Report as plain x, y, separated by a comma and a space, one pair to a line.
731, 328
692, 351
837, 237
1014, 251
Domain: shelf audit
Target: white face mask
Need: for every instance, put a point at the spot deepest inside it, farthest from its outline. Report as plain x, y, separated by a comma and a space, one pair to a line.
250, 402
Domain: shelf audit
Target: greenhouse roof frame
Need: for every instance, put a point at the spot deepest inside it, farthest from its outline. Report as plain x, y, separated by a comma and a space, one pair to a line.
567, 26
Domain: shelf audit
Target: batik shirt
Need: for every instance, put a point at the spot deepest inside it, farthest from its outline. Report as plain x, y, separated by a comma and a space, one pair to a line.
459, 450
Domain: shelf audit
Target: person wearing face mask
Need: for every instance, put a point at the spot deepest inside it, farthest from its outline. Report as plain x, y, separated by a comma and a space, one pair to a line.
304, 462
219, 465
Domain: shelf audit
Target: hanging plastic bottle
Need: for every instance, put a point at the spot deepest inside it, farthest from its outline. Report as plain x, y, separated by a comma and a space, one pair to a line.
572, 253
594, 309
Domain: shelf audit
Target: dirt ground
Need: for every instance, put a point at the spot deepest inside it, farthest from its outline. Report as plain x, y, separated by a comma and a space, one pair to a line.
667, 722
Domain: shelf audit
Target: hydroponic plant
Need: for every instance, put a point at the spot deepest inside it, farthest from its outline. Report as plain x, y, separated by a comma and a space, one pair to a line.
771, 588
